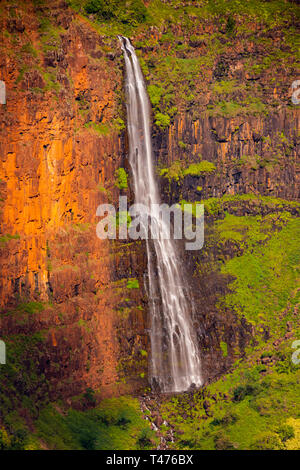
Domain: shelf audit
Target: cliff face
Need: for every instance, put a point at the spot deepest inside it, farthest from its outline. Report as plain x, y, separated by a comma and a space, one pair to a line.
62, 140
57, 277
252, 154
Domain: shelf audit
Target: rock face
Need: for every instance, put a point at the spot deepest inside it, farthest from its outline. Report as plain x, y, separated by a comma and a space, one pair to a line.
54, 173
252, 154
61, 142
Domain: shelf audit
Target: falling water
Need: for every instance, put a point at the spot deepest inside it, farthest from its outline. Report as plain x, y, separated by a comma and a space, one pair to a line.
175, 363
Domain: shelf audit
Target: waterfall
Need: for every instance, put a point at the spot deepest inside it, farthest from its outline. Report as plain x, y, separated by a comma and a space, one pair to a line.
175, 362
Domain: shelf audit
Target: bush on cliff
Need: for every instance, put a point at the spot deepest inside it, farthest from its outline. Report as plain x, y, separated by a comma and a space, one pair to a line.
131, 12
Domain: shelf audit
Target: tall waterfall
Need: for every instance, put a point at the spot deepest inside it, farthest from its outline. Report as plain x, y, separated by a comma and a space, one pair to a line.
175, 363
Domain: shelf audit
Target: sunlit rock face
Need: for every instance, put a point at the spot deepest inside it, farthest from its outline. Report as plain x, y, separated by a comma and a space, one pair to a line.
56, 168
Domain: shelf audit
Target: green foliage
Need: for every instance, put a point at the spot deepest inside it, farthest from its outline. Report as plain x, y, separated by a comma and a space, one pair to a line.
198, 169
133, 284
177, 170
4, 239
214, 206
225, 87
114, 424
89, 397
251, 106
174, 172
267, 441
130, 12
285, 432
155, 93
224, 348
230, 25
22, 385
248, 231
258, 293
30, 307
121, 176
162, 120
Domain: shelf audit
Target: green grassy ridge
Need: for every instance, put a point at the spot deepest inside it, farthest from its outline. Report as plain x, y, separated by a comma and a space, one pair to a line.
266, 278
248, 231
260, 398
256, 405
116, 423
215, 206
22, 384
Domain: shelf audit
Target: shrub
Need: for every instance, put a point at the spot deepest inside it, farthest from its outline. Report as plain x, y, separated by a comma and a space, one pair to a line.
132, 284
155, 93
241, 391
144, 439
197, 169
130, 12
224, 348
162, 120
222, 442
230, 25
267, 441
174, 172
121, 176
89, 397
102, 8
285, 432
5, 441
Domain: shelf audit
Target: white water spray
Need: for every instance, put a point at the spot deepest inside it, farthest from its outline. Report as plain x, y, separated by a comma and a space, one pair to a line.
175, 363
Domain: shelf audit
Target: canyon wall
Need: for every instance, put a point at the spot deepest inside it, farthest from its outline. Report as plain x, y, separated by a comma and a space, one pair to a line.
62, 140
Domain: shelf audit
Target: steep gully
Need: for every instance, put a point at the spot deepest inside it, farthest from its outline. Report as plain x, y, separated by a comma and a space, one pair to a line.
175, 363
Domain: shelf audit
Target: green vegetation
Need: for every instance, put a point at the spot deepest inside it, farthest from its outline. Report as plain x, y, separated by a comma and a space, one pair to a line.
22, 385
4, 239
215, 206
133, 284
178, 170
114, 424
162, 120
121, 176
100, 128
174, 172
155, 93
266, 278
130, 12
225, 87
123, 217
248, 231
251, 417
199, 169
255, 405
224, 348
251, 106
